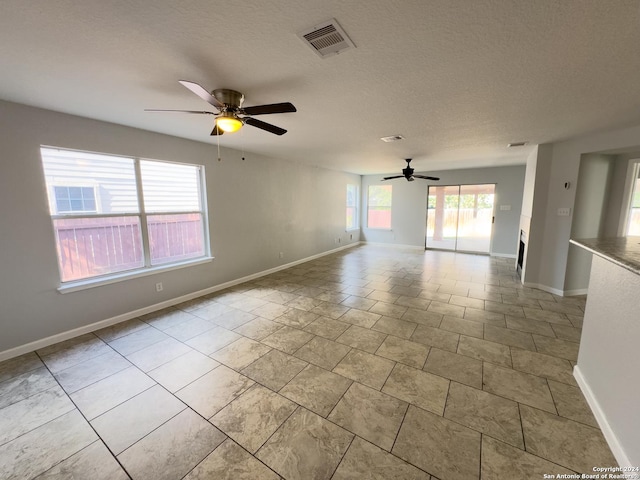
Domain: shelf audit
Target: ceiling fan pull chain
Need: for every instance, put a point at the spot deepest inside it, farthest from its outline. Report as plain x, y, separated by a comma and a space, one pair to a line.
242, 140
218, 139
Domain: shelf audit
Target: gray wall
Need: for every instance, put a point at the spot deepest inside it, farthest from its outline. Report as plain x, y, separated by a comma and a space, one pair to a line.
257, 208
409, 209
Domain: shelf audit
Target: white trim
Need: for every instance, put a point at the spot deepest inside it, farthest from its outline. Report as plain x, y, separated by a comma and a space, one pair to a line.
544, 288
607, 431
59, 337
502, 255
399, 245
572, 293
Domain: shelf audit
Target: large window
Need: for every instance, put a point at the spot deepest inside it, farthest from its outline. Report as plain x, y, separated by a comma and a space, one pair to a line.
379, 206
352, 207
113, 214
633, 219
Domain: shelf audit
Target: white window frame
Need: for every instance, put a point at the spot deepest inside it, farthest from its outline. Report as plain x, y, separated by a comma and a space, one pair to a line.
356, 215
147, 268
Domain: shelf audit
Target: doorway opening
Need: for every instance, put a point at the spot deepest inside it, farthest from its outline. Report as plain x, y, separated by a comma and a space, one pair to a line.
460, 217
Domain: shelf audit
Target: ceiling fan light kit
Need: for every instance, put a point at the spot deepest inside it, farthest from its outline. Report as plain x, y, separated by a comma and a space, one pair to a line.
231, 115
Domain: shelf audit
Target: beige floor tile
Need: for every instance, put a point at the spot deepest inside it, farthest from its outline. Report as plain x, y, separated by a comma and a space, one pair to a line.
542, 365
158, 354
94, 462
365, 368
490, 414
63, 355
388, 309
37, 451
417, 387
183, 370
360, 318
557, 347
520, 301
214, 390
403, 351
101, 396
530, 326
362, 338
394, 326
370, 414
248, 304
137, 340
32, 412
384, 295
253, 417
127, 423
233, 318
446, 309
259, 328
365, 460
189, 329
484, 350
484, 316
304, 303
560, 307
456, 367
565, 332
270, 310
241, 353
306, 446
332, 297
546, 316
322, 352
287, 339
331, 310
211, 310
434, 337
19, 365
500, 461
172, 450
316, 389
464, 327
506, 336
327, 327
571, 404
430, 319
434, 296
121, 329
165, 318
571, 444
518, 386
359, 303
466, 302
24, 385
212, 340
439, 446
90, 371
231, 462
274, 369
499, 307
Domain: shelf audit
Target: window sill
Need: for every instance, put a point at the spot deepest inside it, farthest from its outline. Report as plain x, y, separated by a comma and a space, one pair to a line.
79, 285
382, 229
352, 229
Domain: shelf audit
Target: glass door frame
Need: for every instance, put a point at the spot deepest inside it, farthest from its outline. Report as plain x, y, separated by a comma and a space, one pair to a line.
459, 187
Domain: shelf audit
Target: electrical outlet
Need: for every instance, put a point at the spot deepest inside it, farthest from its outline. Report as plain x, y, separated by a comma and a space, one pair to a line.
505, 207
159, 287
564, 212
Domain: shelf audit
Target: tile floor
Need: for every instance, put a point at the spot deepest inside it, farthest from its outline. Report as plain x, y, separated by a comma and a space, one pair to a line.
373, 363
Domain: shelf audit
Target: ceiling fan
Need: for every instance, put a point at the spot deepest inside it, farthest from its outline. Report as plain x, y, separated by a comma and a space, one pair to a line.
231, 115
408, 174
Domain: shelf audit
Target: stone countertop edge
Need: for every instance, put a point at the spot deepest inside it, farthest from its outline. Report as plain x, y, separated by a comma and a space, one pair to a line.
623, 251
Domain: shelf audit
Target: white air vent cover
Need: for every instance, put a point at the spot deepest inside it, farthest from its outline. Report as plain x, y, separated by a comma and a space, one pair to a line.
392, 138
326, 39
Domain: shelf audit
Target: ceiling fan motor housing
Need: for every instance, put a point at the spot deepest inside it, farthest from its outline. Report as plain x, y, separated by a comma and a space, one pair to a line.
230, 98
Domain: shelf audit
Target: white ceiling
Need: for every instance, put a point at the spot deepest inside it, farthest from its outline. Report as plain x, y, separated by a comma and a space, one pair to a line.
459, 79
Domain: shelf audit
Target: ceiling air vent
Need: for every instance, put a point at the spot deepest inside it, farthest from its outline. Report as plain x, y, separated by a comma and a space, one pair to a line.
517, 144
327, 39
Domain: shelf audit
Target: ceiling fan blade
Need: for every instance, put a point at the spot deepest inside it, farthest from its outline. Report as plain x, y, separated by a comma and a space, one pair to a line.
391, 178
179, 111
285, 107
216, 130
426, 177
264, 126
202, 93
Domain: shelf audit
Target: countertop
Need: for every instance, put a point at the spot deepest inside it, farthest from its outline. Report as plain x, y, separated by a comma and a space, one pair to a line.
623, 251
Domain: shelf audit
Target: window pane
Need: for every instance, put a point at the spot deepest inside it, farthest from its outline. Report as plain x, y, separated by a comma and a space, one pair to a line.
113, 178
379, 206
351, 217
170, 187
88, 247
173, 238
352, 206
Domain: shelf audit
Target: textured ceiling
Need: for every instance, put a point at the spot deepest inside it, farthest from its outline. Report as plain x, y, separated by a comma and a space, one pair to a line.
459, 79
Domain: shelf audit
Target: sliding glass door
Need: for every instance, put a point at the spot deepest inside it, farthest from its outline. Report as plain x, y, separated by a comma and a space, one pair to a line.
460, 217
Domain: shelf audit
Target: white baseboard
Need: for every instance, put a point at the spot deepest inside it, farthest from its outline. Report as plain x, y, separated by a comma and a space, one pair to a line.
609, 434
396, 245
503, 255
60, 337
545, 288
572, 293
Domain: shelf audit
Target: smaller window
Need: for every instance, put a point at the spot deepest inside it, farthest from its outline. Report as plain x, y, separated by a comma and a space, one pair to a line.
352, 207
379, 206
74, 199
